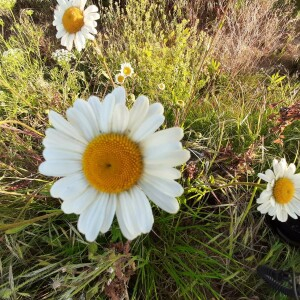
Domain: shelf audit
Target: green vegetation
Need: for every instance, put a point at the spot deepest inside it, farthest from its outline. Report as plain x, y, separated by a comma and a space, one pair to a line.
231, 116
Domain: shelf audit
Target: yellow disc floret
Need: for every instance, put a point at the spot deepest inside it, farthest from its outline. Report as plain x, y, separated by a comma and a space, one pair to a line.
283, 190
73, 19
120, 78
127, 71
112, 163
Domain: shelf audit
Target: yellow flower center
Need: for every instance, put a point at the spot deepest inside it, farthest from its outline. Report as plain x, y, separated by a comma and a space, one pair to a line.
112, 163
73, 19
127, 71
121, 78
283, 190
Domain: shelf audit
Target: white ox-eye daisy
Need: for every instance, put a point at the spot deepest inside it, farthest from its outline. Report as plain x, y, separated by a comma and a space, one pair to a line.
126, 69
119, 78
74, 23
281, 198
112, 160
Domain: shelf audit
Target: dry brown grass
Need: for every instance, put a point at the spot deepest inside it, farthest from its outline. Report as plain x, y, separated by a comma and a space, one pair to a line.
254, 35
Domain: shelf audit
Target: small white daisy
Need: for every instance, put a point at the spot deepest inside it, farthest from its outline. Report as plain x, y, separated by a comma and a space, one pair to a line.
180, 103
127, 69
281, 198
119, 78
112, 161
74, 23
161, 86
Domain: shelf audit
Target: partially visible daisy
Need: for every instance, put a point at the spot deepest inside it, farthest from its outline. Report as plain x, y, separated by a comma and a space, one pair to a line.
112, 161
161, 86
281, 198
119, 78
74, 23
127, 69
180, 103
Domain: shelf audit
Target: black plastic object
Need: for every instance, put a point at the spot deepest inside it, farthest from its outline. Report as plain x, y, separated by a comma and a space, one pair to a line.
288, 231
282, 281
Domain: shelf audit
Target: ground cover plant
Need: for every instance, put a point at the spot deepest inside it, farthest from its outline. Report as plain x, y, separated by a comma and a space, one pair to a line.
226, 73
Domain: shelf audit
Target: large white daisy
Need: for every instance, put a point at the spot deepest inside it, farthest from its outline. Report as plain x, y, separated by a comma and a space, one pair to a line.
112, 160
281, 198
74, 23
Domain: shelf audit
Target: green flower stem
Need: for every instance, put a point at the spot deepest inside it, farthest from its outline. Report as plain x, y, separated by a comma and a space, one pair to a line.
102, 59
256, 185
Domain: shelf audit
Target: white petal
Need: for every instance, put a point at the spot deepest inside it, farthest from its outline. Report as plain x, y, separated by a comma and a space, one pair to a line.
106, 116
56, 22
167, 203
148, 127
281, 213
79, 45
75, 190
171, 159
265, 177
152, 152
120, 118
78, 120
64, 126
264, 196
90, 9
76, 3
59, 154
138, 113
93, 217
272, 201
69, 41
92, 16
86, 109
59, 27
109, 213
60, 33
143, 210
79, 204
64, 39
97, 108
162, 171
155, 109
120, 95
123, 223
82, 4
57, 140
289, 209
272, 211
128, 213
295, 206
168, 186
65, 183
296, 180
90, 26
60, 168
290, 171
61, 2
264, 208
163, 137
86, 33
81, 39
